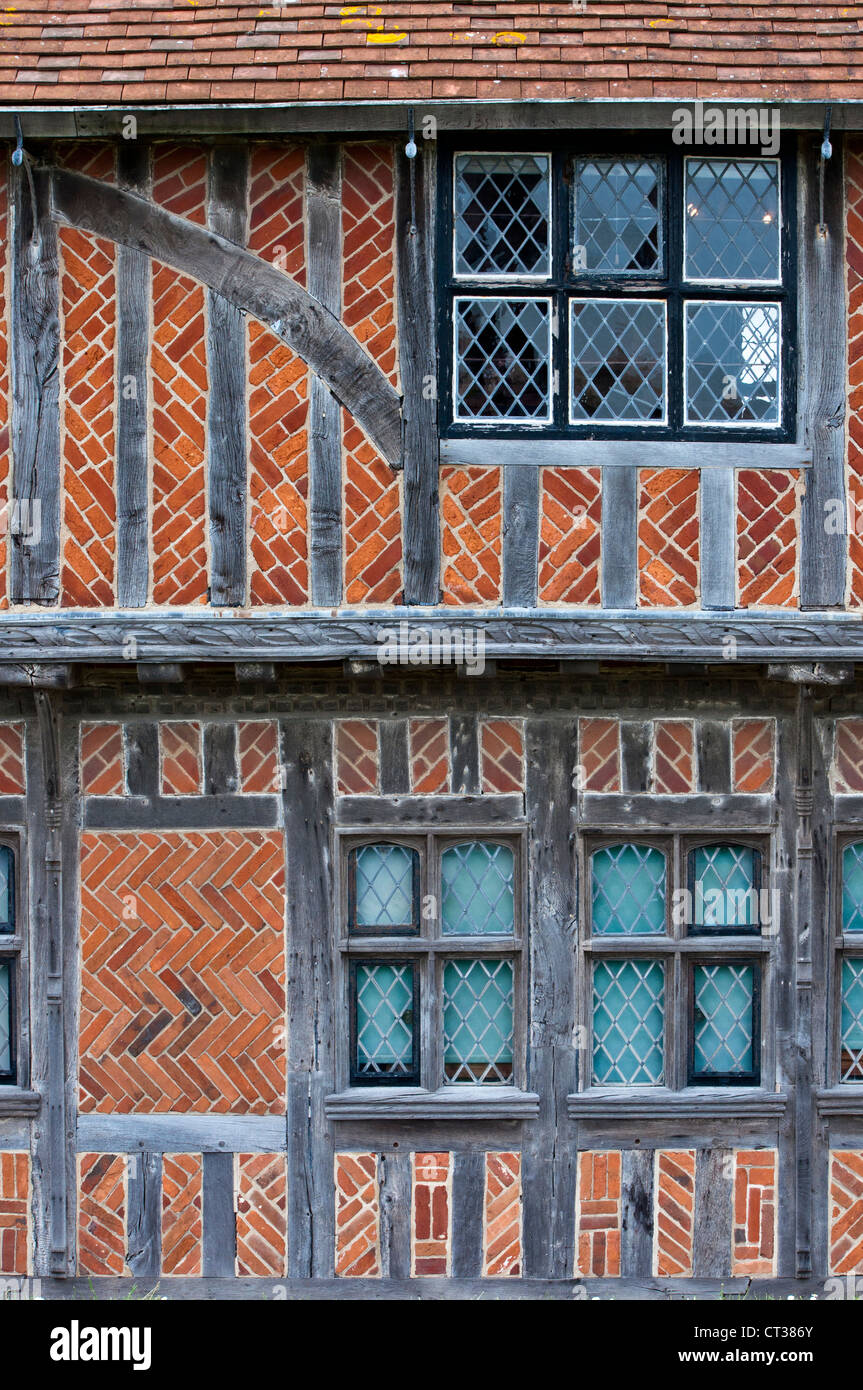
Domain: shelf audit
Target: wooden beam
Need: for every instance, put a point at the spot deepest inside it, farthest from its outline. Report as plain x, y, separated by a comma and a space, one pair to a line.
619, 537
141, 1133
520, 536
144, 1245
134, 273
619, 453
718, 538
324, 221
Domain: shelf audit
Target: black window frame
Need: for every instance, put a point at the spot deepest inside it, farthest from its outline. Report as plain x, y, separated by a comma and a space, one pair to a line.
845, 946
564, 284
13, 950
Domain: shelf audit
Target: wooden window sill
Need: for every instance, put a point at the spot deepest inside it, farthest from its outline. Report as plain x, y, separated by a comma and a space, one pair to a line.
845, 1099
448, 1103
16, 1103
695, 1103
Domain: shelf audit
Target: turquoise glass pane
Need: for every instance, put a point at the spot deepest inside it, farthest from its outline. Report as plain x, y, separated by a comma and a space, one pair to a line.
6, 890
628, 1023
478, 890
385, 886
5, 1018
385, 1020
852, 888
851, 1023
723, 1019
628, 890
477, 1020
725, 893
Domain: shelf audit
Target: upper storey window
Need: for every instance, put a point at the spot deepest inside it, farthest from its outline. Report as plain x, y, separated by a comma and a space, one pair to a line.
617, 293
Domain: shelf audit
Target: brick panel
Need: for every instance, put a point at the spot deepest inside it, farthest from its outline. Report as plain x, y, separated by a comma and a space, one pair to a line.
598, 1215
501, 1246
753, 1245
182, 1214
431, 1233
278, 392
502, 755
471, 521
372, 523
14, 1213
673, 756
180, 758
178, 371
752, 755
854, 247
846, 1212
357, 757
5, 384
102, 770
429, 756
767, 538
102, 1205
848, 756
12, 778
357, 1216
599, 754
668, 537
182, 972
258, 747
675, 1212
89, 370
570, 536
262, 1227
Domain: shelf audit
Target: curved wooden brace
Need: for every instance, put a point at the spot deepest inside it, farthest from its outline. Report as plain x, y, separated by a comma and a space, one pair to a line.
249, 283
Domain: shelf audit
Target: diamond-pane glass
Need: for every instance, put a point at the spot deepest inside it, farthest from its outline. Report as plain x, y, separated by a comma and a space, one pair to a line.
385, 1020
723, 1019
731, 218
618, 360
502, 214
6, 889
5, 1018
477, 1020
385, 886
478, 882
628, 890
725, 895
503, 348
732, 363
852, 1021
852, 888
618, 224
628, 1023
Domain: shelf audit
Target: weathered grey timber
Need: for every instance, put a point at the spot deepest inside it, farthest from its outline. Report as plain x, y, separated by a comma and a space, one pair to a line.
134, 274
619, 538
394, 1177
142, 760
468, 1187
220, 759
740, 809
34, 527
219, 1228
635, 740
636, 1213
245, 281
620, 453
500, 809
718, 538
690, 1107
713, 755
180, 1133
449, 1103
144, 1242
464, 753
713, 1202
180, 812
324, 212
804, 921
520, 536
227, 216
394, 767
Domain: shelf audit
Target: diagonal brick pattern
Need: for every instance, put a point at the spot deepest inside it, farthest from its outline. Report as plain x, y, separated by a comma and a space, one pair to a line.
753, 755
5, 385
668, 537
182, 1214
501, 1247
431, 1226
372, 523
599, 754
674, 1187
12, 778
14, 1213
429, 756
102, 1203
278, 392
846, 1212
767, 538
262, 1228
847, 767
471, 539
102, 770
673, 756
501, 744
357, 1216
854, 254
180, 758
88, 306
570, 536
178, 371
182, 972
357, 756
598, 1215
258, 748
753, 1245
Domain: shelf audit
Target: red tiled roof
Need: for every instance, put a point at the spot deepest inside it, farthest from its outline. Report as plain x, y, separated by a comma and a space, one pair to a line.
149, 51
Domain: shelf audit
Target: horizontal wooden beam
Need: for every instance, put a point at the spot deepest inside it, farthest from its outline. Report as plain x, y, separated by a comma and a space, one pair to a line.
620, 453
181, 1133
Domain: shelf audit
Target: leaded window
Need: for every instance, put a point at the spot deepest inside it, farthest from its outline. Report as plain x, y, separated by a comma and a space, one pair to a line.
432, 949
10, 971
617, 293
849, 965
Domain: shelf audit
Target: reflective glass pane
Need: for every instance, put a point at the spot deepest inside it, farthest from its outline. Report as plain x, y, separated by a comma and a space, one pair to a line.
618, 360
7, 869
477, 1020
725, 895
478, 882
385, 886
5, 1017
385, 1022
618, 223
502, 351
628, 890
731, 219
732, 363
502, 214
852, 888
628, 1022
723, 1019
851, 1023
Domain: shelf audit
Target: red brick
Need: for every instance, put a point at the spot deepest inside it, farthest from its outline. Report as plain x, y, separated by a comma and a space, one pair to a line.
102, 1182
102, 762
182, 1214
570, 535
502, 755
14, 1213
668, 538
261, 1188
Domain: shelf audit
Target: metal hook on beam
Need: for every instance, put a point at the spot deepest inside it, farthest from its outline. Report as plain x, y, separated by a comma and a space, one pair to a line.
826, 153
18, 152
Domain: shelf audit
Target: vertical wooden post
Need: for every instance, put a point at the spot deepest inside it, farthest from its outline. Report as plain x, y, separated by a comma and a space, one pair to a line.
804, 905
324, 229
619, 537
520, 535
134, 272
718, 538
